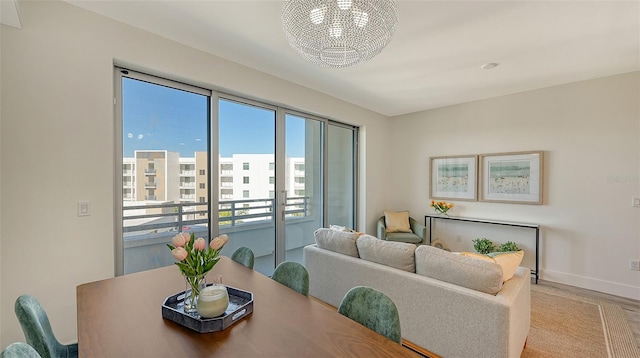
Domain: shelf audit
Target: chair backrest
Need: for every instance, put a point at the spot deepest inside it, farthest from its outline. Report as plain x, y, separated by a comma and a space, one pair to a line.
37, 329
19, 350
244, 256
374, 310
292, 275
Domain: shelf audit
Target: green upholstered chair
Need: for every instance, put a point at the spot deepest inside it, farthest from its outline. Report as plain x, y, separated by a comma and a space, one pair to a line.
292, 275
244, 256
374, 310
37, 329
19, 350
416, 236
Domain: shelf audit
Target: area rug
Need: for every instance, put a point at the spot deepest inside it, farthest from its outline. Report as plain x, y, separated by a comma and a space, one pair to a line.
566, 325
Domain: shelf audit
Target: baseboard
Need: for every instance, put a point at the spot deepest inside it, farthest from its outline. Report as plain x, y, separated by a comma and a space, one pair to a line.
590, 283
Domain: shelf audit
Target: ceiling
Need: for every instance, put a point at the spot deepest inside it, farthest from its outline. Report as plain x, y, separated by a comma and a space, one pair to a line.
433, 60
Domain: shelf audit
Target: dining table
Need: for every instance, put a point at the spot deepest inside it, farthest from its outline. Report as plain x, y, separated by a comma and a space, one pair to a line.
122, 317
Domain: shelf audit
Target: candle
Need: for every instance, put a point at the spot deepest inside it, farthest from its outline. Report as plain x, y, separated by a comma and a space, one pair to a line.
213, 301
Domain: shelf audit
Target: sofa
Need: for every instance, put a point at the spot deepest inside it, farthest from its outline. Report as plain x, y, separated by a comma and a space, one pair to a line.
451, 305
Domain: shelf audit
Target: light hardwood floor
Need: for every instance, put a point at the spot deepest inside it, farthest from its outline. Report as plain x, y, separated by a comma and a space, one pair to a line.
631, 307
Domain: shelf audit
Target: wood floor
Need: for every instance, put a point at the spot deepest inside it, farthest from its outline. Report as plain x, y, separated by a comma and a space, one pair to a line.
631, 307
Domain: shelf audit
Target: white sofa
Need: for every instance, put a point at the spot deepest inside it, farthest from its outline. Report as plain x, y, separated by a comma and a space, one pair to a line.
442, 317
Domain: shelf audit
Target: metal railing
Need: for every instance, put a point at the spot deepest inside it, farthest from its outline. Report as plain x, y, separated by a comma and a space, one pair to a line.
172, 216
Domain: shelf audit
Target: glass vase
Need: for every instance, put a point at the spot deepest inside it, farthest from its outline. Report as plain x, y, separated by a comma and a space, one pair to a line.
194, 284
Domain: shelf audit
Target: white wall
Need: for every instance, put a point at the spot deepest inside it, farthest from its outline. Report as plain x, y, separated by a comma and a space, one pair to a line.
57, 146
590, 133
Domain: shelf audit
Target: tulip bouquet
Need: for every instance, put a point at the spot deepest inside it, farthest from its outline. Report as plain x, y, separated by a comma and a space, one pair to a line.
195, 259
441, 207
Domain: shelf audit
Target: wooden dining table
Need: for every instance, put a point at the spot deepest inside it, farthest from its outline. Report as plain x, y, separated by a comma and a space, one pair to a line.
122, 317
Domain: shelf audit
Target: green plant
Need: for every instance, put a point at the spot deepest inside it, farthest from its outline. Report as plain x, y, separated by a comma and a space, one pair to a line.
483, 245
508, 246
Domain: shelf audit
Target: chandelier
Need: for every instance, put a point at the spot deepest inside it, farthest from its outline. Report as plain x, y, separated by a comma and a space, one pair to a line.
339, 33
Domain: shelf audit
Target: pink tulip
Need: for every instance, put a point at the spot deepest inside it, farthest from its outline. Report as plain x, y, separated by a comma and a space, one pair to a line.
225, 238
181, 239
217, 243
179, 253
200, 244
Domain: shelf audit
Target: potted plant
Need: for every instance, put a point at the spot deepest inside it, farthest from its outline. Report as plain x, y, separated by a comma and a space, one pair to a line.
483, 245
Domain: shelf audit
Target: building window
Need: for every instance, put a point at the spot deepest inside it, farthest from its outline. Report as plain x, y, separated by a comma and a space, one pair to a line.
272, 166
272, 180
245, 166
203, 199
272, 194
203, 172
299, 180
202, 186
299, 167
299, 192
245, 180
245, 193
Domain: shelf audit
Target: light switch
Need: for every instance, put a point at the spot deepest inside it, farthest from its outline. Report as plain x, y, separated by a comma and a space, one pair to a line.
635, 201
84, 208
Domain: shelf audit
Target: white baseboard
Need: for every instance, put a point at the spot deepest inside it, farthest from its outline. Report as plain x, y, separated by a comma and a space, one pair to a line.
590, 283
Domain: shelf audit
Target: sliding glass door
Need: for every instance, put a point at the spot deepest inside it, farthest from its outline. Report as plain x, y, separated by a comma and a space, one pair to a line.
198, 161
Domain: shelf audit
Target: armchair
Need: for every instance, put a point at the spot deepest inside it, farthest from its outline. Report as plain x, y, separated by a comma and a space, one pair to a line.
416, 236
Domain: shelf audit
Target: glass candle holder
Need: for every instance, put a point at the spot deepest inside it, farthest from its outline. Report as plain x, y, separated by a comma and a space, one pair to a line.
213, 300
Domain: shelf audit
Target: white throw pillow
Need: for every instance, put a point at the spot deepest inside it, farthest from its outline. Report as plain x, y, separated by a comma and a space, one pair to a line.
343, 242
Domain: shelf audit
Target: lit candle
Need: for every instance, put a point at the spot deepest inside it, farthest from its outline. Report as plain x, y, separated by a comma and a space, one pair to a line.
213, 301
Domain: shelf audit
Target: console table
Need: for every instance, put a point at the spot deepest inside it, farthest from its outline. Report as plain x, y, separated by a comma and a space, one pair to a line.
535, 227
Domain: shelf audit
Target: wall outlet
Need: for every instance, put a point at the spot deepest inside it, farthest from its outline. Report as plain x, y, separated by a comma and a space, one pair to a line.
635, 202
84, 208
458, 238
634, 265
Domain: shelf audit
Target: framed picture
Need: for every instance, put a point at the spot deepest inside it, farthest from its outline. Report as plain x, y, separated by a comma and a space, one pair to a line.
453, 177
511, 177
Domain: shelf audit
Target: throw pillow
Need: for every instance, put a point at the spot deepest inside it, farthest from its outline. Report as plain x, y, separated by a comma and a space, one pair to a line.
389, 253
342, 242
508, 261
397, 221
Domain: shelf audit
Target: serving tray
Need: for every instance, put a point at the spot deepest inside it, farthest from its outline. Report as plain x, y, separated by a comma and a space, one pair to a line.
240, 305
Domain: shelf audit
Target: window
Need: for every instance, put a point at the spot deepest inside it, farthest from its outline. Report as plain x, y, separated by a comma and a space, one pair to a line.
299, 167
272, 194
299, 180
272, 166
245, 194
203, 199
245, 180
245, 166
202, 186
203, 172
299, 192
272, 180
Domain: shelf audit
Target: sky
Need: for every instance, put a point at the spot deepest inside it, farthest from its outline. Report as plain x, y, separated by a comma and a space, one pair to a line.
162, 118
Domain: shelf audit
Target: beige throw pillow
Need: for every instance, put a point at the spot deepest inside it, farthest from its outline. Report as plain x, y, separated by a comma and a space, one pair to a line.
397, 221
508, 261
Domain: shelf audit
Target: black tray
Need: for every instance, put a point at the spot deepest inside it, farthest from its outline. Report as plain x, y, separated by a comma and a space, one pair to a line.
240, 305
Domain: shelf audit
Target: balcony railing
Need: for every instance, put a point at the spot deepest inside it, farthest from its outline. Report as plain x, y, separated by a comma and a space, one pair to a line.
233, 212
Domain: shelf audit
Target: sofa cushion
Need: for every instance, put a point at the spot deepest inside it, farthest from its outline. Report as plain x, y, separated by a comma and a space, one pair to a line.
508, 261
393, 254
343, 242
397, 221
403, 237
479, 275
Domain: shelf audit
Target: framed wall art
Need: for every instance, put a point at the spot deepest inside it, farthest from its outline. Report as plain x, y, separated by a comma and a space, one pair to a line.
511, 177
453, 177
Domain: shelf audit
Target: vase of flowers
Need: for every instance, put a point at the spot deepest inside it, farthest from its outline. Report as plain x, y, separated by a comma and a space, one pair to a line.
195, 260
441, 207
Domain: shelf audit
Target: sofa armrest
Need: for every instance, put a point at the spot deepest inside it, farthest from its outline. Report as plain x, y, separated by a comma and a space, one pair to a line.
418, 229
382, 229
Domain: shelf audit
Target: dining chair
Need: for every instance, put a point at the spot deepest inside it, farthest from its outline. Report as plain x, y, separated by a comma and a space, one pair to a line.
292, 275
374, 310
244, 256
37, 329
19, 350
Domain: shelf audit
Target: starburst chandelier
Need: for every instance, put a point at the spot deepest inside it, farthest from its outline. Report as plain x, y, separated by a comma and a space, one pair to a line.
339, 33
